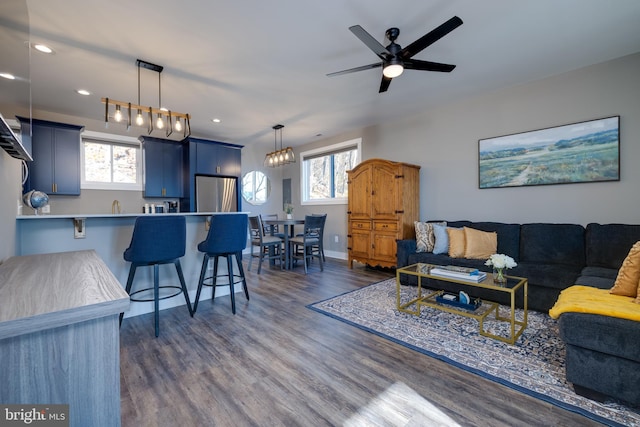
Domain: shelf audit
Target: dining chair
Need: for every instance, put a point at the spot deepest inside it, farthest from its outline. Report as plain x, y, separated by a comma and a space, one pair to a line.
270, 229
310, 242
269, 247
227, 237
321, 239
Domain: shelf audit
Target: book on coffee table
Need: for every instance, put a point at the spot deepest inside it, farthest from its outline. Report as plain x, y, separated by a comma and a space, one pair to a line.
458, 269
473, 275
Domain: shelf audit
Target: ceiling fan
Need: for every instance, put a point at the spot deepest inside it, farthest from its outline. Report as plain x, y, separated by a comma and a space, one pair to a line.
395, 59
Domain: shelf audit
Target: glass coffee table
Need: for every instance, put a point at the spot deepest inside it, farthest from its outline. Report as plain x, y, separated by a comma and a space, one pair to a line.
429, 298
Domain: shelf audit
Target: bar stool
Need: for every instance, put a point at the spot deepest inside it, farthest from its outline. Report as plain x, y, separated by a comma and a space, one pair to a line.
227, 237
157, 240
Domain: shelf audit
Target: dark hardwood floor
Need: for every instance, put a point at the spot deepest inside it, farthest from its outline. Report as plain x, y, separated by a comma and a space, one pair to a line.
277, 363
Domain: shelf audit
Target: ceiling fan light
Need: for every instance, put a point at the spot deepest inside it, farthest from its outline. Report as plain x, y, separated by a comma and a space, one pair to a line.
393, 69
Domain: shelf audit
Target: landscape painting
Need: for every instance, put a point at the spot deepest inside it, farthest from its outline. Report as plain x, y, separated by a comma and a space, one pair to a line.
579, 152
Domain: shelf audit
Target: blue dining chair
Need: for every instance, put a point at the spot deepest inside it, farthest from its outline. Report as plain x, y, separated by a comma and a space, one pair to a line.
227, 238
157, 240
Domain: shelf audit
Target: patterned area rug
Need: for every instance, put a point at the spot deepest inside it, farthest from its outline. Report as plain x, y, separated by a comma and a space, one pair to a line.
534, 365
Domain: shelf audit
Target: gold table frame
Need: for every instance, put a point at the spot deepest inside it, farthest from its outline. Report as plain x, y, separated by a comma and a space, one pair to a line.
421, 271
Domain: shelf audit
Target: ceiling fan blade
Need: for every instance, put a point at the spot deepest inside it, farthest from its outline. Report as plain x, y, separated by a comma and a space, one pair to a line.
353, 70
371, 43
431, 37
384, 84
416, 64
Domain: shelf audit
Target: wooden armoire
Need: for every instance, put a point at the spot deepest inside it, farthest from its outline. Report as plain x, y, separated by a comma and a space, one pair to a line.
384, 202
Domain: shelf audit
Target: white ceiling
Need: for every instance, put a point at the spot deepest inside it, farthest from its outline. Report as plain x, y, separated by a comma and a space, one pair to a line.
256, 63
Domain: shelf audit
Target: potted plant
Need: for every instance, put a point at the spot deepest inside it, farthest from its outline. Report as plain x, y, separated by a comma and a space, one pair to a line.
288, 209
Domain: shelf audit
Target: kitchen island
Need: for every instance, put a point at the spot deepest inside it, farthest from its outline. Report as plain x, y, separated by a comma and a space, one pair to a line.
109, 235
59, 335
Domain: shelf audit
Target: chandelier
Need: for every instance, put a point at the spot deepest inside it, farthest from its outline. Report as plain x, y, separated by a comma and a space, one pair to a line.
280, 157
165, 119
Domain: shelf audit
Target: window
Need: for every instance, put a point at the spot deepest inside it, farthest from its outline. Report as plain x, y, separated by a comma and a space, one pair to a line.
110, 162
255, 187
324, 172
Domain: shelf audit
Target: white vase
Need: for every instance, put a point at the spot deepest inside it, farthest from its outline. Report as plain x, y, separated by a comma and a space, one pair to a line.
289, 216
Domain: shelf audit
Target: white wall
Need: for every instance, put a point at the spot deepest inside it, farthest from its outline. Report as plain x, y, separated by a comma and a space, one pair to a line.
444, 142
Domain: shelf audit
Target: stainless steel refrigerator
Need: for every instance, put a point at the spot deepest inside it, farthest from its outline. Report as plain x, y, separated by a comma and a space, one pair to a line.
216, 194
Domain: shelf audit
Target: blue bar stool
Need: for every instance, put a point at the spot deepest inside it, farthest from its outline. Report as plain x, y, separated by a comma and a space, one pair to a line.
227, 237
157, 240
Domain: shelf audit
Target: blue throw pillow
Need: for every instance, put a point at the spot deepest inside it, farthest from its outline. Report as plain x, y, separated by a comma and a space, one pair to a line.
442, 239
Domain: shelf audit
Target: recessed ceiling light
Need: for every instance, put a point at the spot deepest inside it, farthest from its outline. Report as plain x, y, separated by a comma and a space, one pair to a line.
216, 120
83, 92
8, 76
43, 48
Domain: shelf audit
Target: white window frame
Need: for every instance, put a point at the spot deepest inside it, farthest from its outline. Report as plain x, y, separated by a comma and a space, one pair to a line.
106, 138
304, 173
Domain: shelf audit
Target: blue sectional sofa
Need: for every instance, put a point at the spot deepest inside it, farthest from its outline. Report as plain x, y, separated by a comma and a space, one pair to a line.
550, 256
603, 356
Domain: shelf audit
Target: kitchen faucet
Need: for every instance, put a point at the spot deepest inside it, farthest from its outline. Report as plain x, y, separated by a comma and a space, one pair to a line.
115, 206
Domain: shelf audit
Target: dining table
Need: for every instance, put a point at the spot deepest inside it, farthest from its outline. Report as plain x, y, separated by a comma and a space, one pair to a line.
289, 231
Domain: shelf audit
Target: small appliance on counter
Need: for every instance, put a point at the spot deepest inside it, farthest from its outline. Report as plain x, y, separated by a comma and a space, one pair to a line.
171, 206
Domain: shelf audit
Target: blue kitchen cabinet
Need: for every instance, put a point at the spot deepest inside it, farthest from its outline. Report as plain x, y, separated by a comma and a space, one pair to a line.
162, 167
210, 158
55, 168
214, 158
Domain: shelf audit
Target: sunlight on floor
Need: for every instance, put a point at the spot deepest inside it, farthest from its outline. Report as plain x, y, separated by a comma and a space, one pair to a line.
399, 405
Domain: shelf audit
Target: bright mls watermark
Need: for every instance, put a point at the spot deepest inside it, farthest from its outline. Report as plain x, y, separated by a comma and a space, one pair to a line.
34, 415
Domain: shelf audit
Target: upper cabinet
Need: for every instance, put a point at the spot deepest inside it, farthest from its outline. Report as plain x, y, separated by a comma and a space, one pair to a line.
214, 158
55, 168
163, 175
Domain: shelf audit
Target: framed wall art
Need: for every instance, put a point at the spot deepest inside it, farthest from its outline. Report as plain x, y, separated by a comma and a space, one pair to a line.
579, 152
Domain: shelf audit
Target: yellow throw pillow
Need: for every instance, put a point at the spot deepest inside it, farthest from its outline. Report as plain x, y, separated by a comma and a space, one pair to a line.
626, 283
456, 242
480, 244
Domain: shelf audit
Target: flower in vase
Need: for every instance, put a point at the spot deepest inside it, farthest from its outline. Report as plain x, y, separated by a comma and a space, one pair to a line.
500, 261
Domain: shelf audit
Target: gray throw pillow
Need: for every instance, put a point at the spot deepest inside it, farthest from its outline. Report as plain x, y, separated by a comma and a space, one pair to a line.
442, 239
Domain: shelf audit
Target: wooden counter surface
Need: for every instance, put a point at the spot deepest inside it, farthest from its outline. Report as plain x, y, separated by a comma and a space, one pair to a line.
50, 290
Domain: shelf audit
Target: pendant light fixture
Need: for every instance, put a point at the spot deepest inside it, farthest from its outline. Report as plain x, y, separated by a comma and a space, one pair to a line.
279, 157
161, 113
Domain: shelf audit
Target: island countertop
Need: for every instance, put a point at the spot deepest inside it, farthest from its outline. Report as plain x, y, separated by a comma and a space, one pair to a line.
107, 215
109, 235
46, 291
